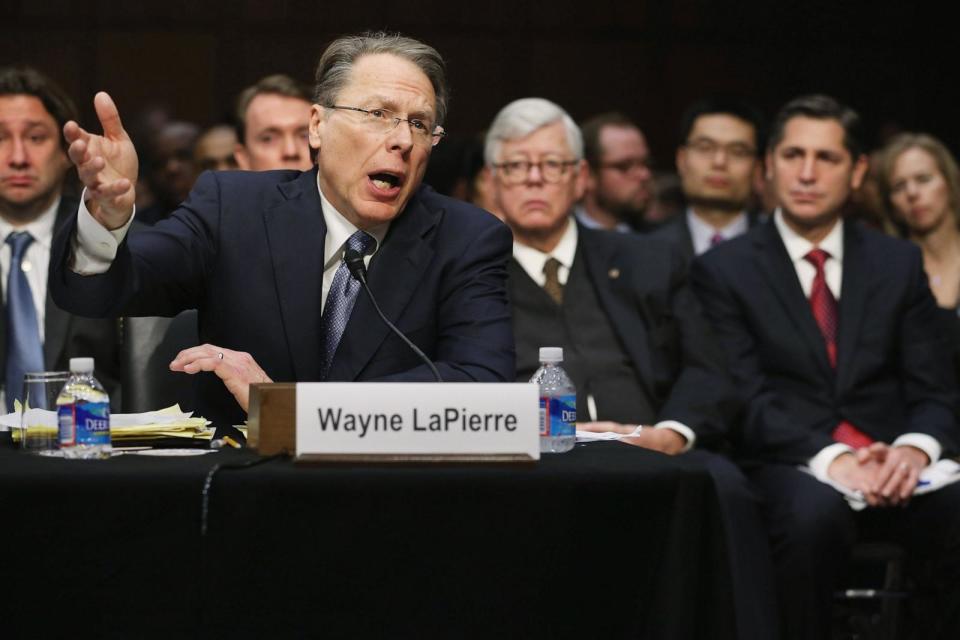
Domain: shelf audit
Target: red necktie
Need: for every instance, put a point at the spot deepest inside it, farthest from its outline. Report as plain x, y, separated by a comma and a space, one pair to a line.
716, 239
824, 307
823, 304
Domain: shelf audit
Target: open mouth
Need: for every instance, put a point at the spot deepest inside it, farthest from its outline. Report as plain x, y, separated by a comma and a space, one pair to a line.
383, 180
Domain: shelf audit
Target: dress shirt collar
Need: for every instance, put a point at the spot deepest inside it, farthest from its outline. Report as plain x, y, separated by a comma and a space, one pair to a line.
41, 229
702, 233
532, 260
797, 246
339, 230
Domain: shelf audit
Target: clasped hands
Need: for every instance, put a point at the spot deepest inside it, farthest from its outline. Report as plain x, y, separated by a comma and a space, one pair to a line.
885, 475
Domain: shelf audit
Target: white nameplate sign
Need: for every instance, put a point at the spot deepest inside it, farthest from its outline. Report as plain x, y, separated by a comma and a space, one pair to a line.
418, 421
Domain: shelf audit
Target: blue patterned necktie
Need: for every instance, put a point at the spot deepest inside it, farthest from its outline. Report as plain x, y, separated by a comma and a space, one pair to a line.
340, 300
24, 351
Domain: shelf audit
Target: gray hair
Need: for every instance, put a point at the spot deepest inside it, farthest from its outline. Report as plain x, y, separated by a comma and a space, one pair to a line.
522, 117
335, 64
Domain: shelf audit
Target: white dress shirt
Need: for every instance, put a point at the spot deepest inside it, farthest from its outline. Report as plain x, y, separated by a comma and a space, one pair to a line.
339, 230
532, 261
797, 247
96, 247
36, 259
702, 233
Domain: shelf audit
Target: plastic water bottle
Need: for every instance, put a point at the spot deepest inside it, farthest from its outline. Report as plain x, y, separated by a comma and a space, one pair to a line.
558, 403
83, 413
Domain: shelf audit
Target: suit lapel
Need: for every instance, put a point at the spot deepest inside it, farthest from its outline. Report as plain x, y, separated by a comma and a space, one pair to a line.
853, 297
394, 273
775, 265
686, 237
295, 233
611, 277
56, 323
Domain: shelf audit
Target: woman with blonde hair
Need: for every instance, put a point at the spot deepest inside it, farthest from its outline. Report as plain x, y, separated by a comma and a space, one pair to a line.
920, 184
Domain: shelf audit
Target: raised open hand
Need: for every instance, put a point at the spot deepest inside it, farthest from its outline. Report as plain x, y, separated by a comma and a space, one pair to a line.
107, 164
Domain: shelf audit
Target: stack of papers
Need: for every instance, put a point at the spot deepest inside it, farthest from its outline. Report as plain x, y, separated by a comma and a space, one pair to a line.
165, 423
598, 436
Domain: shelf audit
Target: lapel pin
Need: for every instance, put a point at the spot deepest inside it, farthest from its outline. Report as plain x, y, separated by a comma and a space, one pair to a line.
614, 273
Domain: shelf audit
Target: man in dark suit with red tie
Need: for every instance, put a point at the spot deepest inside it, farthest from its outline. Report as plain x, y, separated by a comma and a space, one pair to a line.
829, 330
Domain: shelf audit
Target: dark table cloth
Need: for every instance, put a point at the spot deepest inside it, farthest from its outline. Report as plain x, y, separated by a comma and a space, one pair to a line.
607, 541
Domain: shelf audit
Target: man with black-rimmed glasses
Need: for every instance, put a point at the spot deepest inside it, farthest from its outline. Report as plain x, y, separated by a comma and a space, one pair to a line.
259, 254
718, 160
635, 342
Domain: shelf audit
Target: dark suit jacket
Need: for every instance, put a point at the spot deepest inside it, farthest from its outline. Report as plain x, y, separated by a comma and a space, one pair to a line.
641, 284
677, 231
68, 336
246, 250
893, 372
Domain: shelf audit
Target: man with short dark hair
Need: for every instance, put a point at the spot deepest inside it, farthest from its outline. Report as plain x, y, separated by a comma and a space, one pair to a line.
260, 254
169, 168
830, 334
273, 118
619, 184
717, 160
35, 334
215, 149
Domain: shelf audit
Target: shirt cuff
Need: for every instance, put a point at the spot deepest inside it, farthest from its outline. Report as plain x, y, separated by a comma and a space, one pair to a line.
820, 463
96, 246
689, 436
927, 444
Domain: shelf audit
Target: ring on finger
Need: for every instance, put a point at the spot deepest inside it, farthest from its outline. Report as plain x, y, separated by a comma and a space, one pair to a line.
220, 355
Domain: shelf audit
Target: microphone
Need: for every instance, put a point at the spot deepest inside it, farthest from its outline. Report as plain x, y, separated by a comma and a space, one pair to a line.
354, 262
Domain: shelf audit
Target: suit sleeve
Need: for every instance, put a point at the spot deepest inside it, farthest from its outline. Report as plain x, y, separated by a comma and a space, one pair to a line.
475, 332
702, 395
929, 380
158, 271
767, 431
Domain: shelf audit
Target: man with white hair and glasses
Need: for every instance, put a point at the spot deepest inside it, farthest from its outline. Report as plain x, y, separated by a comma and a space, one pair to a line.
635, 343
260, 254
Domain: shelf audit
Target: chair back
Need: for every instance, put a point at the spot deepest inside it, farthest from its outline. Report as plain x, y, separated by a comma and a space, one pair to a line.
149, 344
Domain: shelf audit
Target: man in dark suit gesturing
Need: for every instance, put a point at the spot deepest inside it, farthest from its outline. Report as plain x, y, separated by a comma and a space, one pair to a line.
35, 334
831, 336
635, 344
259, 254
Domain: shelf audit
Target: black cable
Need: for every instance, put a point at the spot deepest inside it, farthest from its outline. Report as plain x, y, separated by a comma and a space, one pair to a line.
208, 482
354, 261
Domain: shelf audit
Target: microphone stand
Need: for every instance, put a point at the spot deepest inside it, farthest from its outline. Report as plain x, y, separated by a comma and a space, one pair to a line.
354, 261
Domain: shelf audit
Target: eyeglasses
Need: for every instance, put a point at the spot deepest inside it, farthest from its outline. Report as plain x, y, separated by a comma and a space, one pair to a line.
384, 120
734, 150
628, 165
551, 169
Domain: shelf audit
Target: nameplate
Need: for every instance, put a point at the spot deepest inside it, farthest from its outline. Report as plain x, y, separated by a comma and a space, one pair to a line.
400, 421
